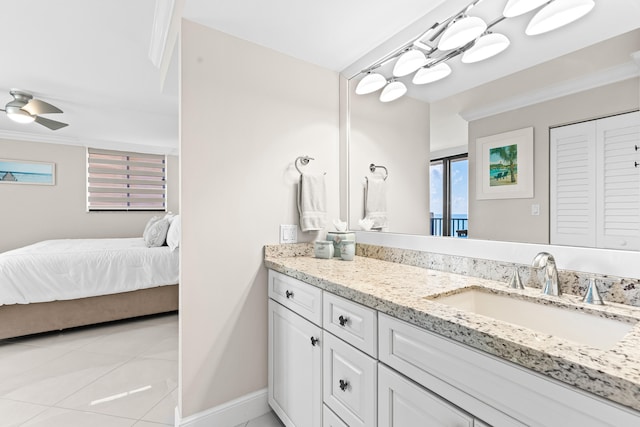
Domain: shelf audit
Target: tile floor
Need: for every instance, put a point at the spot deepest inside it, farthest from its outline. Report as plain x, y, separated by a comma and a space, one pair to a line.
119, 374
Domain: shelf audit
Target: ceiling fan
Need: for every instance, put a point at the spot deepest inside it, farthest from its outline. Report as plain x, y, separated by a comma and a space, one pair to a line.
26, 109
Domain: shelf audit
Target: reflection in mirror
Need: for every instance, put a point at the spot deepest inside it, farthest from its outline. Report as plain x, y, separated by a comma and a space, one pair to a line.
595, 76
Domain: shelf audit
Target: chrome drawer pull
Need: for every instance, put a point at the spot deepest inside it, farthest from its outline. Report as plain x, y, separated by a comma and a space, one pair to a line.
288, 294
343, 385
343, 320
314, 341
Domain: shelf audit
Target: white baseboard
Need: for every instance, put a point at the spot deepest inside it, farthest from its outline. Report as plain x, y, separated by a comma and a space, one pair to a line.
228, 414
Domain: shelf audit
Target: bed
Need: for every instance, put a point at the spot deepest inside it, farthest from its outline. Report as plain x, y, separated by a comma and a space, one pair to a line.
58, 284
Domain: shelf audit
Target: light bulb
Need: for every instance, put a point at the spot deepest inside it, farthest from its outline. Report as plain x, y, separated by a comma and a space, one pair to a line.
485, 47
557, 14
393, 91
370, 83
409, 62
461, 32
431, 74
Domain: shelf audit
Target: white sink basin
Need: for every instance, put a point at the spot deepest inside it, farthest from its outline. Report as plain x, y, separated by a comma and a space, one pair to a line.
582, 328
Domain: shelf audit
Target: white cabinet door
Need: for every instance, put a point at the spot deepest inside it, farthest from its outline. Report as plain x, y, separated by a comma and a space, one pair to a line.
618, 189
349, 387
572, 193
329, 419
595, 183
295, 368
402, 403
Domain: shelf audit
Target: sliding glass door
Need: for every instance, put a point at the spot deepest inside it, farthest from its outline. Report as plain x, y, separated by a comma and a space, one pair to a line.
449, 200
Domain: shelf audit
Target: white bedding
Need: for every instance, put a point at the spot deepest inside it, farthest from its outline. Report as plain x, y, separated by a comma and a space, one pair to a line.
78, 268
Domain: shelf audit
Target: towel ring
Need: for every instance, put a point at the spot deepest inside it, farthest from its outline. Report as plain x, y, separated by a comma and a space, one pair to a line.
373, 167
304, 160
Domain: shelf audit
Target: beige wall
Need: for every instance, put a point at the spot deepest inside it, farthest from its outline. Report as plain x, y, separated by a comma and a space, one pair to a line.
395, 135
246, 113
511, 219
30, 213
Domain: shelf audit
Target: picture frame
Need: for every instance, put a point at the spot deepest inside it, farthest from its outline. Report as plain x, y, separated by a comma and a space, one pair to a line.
504, 165
27, 172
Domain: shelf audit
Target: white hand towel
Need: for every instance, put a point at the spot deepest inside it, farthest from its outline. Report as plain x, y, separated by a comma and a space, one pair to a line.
312, 202
375, 202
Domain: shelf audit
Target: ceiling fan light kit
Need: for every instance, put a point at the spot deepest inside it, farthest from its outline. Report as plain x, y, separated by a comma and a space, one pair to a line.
469, 36
25, 109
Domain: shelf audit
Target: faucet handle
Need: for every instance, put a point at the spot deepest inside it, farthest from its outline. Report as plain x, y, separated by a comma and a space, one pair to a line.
592, 296
515, 282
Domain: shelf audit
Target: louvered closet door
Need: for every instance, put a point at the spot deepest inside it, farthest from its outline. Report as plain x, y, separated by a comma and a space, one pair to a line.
573, 185
618, 202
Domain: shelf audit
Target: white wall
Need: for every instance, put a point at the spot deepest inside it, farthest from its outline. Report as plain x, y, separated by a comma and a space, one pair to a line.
30, 213
246, 113
510, 219
395, 135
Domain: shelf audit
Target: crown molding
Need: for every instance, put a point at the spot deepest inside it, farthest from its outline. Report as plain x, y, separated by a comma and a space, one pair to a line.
603, 77
64, 140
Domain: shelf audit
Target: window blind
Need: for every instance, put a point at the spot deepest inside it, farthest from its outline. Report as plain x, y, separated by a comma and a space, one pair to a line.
120, 180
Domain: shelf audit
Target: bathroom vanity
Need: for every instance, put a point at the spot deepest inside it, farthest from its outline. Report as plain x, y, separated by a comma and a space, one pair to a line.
374, 343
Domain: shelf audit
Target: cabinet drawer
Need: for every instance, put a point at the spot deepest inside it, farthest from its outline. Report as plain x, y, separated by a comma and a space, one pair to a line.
402, 403
349, 382
329, 419
354, 323
489, 387
302, 298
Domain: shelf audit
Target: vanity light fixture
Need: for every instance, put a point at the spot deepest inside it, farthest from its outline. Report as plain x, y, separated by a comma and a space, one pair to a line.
409, 62
370, 83
461, 31
520, 7
558, 13
431, 74
461, 34
393, 91
486, 46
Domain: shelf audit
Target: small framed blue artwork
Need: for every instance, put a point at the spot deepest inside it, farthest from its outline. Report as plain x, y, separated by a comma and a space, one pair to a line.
27, 172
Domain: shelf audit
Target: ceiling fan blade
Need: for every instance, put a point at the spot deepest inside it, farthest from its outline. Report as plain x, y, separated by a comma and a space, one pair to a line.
35, 107
51, 124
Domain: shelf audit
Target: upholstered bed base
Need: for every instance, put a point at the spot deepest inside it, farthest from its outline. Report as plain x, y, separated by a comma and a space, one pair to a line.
24, 319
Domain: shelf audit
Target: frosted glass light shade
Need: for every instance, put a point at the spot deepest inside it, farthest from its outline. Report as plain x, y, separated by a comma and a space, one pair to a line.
557, 14
20, 116
485, 47
462, 32
520, 7
393, 91
409, 62
370, 83
431, 74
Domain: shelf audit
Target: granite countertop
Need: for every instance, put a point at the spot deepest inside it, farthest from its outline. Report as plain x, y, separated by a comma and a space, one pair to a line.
403, 291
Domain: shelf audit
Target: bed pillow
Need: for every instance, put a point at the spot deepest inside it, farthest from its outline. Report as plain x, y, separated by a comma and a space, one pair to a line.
152, 221
156, 234
173, 235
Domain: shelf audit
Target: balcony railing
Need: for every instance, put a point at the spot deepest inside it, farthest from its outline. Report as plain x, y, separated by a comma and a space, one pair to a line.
457, 226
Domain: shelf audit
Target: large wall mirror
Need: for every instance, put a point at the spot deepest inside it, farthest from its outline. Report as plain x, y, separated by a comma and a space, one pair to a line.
583, 71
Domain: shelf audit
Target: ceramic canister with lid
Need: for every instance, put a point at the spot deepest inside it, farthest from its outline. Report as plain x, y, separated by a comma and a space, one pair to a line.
337, 237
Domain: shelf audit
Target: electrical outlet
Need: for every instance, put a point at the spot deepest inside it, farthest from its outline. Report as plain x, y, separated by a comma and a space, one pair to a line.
535, 210
288, 233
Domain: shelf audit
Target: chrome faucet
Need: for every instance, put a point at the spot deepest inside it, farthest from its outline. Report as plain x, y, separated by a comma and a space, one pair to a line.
550, 285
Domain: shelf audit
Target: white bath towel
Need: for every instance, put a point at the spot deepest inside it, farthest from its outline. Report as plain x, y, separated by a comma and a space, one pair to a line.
375, 202
312, 202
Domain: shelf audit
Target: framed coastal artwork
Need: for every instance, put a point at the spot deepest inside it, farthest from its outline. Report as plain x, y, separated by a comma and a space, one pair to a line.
27, 172
504, 165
